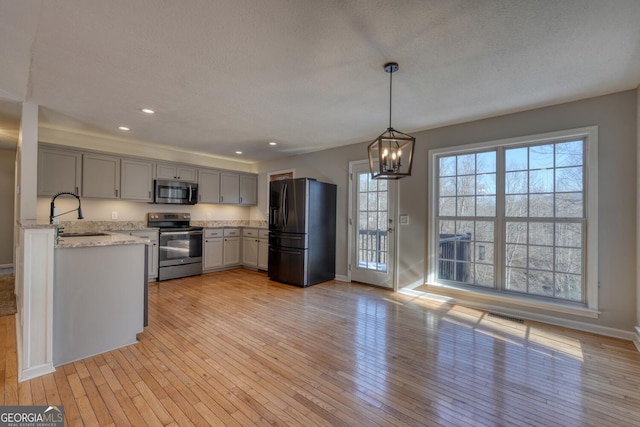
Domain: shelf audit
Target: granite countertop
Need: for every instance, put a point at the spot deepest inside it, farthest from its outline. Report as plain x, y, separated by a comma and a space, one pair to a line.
110, 239
33, 224
230, 224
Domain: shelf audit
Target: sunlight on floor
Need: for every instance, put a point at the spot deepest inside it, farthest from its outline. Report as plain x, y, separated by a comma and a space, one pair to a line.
519, 334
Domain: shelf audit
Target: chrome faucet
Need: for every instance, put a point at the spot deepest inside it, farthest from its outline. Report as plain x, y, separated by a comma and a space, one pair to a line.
52, 213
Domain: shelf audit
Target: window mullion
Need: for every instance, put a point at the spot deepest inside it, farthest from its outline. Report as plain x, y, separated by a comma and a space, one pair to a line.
499, 231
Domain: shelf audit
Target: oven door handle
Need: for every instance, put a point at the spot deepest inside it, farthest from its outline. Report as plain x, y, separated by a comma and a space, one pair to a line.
180, 233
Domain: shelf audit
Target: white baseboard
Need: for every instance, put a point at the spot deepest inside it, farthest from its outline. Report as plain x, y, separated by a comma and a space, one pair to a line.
342, 278
6, 265
35, 372
544, 318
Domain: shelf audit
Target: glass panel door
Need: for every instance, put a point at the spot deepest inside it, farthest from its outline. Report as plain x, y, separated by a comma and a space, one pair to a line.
372, 227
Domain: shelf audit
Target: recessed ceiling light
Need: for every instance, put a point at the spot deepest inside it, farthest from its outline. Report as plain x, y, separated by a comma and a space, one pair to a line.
123, 128
238, 152
147, 111
273, 143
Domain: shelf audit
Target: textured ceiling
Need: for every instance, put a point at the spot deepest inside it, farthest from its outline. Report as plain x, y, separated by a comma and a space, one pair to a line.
229, 75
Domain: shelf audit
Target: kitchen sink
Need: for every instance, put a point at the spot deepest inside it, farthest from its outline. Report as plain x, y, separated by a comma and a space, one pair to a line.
85, 234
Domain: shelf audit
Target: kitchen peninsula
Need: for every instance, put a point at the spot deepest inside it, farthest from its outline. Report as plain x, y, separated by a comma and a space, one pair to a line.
98, 294
75, 289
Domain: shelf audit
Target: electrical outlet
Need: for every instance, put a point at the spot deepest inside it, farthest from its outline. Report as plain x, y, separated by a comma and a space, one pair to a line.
114, 215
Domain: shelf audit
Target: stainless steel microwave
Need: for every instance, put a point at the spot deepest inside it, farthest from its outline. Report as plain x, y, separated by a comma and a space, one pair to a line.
175, 192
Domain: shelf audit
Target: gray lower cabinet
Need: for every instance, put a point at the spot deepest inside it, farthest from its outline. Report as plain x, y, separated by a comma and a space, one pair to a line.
231, 247
249, 249
255, 248
263, 250
59, 170
136, 180
213, 252
153, 253
100, 176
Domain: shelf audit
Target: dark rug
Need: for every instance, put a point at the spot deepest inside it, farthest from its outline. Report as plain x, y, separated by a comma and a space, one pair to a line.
7, 296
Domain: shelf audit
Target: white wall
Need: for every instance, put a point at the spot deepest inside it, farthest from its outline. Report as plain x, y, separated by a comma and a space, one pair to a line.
616, 117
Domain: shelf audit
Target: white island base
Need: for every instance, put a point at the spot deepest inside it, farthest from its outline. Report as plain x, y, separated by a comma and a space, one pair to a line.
98, 299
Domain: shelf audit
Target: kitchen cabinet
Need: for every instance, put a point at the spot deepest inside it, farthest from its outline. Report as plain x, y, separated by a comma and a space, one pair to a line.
229, 188
136, 180
231, 247
153, 253
59, 170
172, 171
250, 247
248, 190
100, 176
208, 186
255, 248
213, 249
263, 249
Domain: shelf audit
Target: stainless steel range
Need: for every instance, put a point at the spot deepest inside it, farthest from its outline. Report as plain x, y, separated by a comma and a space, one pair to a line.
180, 245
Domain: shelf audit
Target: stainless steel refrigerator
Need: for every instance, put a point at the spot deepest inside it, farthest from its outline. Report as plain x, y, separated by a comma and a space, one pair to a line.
302, 231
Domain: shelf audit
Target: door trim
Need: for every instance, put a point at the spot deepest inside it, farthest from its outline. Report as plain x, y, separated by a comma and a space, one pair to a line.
350, 224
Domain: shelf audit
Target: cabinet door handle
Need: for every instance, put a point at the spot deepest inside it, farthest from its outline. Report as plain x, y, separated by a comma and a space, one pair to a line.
116, 192
221, 199
149, 194
77, 191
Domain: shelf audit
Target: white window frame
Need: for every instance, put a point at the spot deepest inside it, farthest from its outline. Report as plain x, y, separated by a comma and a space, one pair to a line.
490, 296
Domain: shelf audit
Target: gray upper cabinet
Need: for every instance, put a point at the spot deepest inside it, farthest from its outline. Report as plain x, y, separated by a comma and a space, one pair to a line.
173, 171
229, 188
100, 176
136, 180
58, 170
248, 190
105, 176
208, 186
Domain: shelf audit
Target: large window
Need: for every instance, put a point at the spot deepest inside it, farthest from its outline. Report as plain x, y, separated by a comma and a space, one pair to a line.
515, 217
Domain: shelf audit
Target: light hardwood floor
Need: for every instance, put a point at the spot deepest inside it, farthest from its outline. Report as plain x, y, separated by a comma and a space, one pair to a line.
233, 348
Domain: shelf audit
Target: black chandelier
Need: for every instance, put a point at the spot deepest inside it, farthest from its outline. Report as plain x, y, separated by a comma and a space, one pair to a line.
391, 154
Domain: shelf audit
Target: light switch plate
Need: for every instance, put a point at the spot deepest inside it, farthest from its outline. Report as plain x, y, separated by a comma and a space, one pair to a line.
404, 219
114, 215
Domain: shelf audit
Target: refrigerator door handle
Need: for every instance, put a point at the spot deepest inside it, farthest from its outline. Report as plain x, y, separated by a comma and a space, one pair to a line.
287, 251
285, 204
272, 216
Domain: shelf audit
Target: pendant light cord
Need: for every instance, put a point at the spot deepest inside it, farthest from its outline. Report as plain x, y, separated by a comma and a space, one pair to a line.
390, 93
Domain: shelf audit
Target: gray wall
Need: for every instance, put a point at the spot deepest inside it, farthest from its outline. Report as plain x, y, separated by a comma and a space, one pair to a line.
7, 186
615, 115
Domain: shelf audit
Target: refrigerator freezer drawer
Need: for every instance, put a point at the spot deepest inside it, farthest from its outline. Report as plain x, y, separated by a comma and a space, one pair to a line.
288, 240
288, 265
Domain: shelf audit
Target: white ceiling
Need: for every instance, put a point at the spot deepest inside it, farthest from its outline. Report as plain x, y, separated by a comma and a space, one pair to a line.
229, 75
